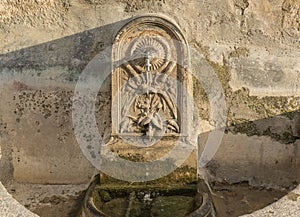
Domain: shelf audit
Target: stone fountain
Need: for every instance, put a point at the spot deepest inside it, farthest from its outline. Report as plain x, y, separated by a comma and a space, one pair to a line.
149, 163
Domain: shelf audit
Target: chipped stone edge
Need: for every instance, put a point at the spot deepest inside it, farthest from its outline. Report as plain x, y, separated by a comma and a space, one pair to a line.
10, 207
287, 206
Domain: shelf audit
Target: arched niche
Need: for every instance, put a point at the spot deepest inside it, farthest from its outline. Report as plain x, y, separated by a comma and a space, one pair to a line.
149, 79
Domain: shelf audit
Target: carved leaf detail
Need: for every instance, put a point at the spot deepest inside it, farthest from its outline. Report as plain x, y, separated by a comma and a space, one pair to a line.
164, 105
156, 104
132, 118
145, 120
173, 125
157, 122
135, 104
170, 104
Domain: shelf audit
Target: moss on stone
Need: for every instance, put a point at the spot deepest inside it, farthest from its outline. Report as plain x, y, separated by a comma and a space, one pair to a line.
239, 52
105, 196
247, 127
224, 76
116, 207
290, 115
201, 99
285, 137
97, 199
145, 200
183, 175
172, 206
223, 73
135, 157
264, 107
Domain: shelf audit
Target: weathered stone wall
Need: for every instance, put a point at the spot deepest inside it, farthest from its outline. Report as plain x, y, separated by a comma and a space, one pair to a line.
253, 47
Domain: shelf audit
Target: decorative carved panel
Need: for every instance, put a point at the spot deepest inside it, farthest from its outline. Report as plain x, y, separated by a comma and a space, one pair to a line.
149, 79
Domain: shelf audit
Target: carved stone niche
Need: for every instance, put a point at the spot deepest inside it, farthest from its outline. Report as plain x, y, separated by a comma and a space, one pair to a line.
151, 108
149, 81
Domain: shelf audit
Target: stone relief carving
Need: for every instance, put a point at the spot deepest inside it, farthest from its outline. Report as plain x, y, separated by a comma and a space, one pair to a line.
145, 86
154, 99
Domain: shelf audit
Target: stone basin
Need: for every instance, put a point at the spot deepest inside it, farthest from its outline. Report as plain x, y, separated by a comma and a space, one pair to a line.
147, 201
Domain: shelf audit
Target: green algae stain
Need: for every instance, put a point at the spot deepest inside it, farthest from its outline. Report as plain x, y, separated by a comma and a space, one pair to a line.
260, 108
145, 201
172, 206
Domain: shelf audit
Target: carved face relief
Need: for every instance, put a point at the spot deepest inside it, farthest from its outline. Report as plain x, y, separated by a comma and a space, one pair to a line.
145, 85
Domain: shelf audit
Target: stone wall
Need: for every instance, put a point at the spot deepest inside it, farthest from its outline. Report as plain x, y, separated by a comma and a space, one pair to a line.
253, 47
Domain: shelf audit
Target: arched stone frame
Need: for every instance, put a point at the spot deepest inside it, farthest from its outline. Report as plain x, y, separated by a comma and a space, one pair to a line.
168, 41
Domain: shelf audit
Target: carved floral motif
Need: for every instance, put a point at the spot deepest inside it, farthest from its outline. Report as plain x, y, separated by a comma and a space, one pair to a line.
146, 83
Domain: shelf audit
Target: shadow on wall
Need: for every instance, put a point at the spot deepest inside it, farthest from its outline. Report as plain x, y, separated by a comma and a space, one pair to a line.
263, 152
37, 84
36, 133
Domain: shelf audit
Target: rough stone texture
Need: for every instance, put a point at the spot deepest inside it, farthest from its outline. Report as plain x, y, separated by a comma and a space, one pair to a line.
253, 46
275, 74
44, 200
11, 207
286, 206
257, 160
